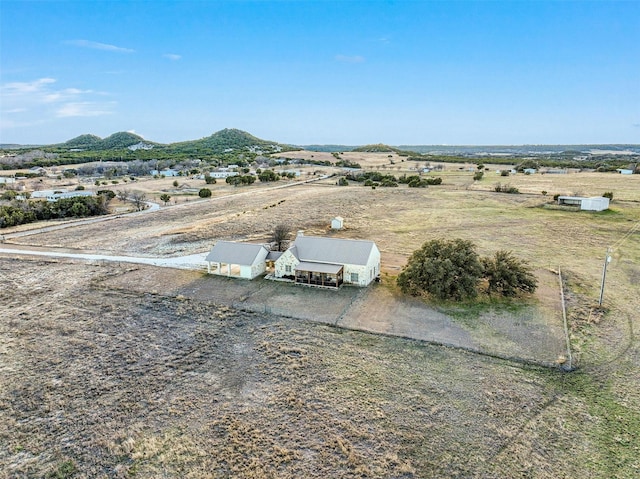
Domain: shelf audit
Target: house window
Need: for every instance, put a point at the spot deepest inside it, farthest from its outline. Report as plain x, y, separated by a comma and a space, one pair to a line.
287, 268
354, 277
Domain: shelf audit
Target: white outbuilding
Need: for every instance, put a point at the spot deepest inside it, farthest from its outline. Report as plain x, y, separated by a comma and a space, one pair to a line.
337, 223
596, 203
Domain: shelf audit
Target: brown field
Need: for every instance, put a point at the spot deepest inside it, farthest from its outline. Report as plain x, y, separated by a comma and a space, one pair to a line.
109, 370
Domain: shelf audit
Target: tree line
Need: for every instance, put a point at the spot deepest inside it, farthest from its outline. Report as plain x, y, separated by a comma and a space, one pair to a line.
22, 212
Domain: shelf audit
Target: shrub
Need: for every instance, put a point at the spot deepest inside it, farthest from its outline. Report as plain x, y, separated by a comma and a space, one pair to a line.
506, 189
508, 275
268, 175
608, 194
208, 179
478, 176
109, 194
204, 193
504, 173
343, 182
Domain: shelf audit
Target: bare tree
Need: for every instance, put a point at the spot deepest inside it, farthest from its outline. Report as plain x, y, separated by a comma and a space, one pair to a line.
138, 199
281, 235
123, 194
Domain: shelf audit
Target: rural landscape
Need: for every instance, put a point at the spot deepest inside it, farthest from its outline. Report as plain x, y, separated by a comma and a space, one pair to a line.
122, 357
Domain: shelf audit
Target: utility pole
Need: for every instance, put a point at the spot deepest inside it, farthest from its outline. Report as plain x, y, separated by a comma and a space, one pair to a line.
607, 260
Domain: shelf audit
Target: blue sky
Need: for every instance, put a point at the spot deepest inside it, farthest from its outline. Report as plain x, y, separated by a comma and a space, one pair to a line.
301, 72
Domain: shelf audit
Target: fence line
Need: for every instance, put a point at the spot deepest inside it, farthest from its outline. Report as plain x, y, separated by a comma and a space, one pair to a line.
566, 327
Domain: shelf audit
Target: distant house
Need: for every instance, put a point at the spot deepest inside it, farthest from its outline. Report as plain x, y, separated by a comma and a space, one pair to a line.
166, 173
6, 180
624, 171
529, 171
55, 195
597, 203
46, 193
238, 260
222, 174
329, 262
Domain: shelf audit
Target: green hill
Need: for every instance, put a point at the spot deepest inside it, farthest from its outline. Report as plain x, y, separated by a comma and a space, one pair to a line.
83, 141
120, 140
231, 140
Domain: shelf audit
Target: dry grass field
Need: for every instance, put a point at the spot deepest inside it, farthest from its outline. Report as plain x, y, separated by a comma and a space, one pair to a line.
102, 379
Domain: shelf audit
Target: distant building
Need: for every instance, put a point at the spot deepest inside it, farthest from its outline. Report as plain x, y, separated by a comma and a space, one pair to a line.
624, 171
166, 173
337, 223
597, 203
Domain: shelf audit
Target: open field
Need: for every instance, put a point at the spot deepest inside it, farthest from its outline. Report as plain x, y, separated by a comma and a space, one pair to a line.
152, 374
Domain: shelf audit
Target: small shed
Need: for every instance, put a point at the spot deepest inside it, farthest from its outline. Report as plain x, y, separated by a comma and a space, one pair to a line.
337, 223
238, 260
624, 171
597, 203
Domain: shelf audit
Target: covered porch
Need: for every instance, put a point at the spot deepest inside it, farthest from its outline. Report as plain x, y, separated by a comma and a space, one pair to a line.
224, 269
320, 274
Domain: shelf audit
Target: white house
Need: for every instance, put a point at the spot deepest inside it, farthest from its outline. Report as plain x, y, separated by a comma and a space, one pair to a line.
337, 223
7, 180
597, 203
329, 262
239, 260
625, 171
222, 174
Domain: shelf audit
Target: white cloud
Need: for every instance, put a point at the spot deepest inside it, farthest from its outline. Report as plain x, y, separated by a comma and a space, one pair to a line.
99, 46
349, 58
22, 88
172, 56
84, 109
39, 100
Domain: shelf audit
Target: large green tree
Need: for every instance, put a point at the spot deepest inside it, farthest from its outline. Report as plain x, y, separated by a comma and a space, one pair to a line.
446, 269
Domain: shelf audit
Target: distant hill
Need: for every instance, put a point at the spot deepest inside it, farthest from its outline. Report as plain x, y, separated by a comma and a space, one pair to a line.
377, 148
328, 148
83, 141
232, 140
382, 148
117, 141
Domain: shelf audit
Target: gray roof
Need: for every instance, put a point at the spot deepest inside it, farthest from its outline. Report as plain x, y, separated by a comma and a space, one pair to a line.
333, 250
319, 267
235, 253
